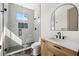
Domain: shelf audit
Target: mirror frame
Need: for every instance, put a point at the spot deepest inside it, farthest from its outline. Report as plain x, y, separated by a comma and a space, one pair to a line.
53, 15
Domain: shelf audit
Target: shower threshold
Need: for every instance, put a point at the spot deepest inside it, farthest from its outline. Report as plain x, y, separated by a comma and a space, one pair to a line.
17, 51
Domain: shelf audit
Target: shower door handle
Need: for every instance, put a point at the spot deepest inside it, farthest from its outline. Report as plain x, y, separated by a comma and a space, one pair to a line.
0, 46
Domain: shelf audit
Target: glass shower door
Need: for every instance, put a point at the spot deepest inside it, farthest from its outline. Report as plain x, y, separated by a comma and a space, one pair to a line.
19, 28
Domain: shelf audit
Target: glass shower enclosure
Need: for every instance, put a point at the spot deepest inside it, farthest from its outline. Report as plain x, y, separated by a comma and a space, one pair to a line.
18, 29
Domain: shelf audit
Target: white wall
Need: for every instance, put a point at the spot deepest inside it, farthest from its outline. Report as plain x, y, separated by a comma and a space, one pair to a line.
46, 10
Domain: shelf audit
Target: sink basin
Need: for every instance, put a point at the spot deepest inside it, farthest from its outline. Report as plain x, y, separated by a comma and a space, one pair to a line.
55, 39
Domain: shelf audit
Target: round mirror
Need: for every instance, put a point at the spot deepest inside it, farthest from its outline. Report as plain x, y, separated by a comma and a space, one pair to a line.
65, 18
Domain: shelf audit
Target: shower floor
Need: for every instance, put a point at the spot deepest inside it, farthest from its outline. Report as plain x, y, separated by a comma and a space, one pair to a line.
24, 53
20, 50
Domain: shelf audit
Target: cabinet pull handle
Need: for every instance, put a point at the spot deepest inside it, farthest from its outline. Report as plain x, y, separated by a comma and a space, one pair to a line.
57, 47
43, 40
54, 55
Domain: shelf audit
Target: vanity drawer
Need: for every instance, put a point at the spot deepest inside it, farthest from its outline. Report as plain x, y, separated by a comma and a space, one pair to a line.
54, 51
59, 50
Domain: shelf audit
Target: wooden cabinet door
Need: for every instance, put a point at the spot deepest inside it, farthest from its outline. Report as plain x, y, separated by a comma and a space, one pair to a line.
42, 48
49, 53
53, 51
57, 50
47, 49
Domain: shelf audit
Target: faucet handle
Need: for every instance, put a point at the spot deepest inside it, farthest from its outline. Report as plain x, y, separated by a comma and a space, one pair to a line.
63, 37
56, 36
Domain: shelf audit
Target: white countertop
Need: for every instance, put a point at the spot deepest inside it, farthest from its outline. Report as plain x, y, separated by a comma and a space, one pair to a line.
65, 43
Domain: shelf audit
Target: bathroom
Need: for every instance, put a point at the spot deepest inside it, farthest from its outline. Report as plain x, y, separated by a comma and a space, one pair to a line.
19, 37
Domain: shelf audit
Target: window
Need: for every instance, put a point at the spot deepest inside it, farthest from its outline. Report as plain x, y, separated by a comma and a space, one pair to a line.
21, 16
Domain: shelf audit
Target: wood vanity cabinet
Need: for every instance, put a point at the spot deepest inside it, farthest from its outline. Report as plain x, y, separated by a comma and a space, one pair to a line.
52, 49
43, 48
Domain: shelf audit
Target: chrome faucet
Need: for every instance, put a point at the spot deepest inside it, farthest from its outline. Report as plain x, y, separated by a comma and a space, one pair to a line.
58, 35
